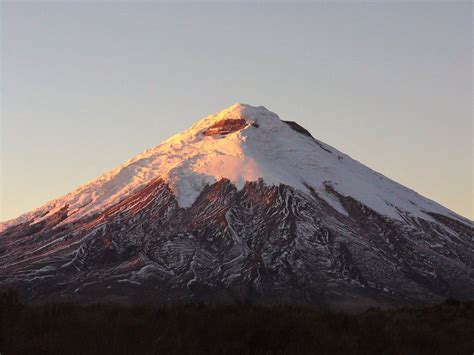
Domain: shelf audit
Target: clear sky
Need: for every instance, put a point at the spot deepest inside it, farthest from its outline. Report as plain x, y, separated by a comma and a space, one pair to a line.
87, 85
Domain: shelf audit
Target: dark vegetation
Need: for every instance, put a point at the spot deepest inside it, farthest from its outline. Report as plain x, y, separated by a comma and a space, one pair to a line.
67, 328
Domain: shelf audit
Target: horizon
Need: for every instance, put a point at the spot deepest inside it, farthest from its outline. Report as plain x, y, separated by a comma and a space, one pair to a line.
84, 99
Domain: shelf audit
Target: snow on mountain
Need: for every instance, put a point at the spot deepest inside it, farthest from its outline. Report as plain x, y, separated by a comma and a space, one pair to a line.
243, 143
186, 221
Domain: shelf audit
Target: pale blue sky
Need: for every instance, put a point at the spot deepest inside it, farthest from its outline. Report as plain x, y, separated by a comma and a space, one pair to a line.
87, 85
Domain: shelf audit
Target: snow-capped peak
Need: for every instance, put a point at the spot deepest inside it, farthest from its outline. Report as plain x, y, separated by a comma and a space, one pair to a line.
242, 143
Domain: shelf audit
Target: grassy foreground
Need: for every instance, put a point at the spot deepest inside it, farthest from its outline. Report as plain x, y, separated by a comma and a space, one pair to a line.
66, 328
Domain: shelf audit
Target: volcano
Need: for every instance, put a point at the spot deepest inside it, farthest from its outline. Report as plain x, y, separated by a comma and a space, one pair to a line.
241, 207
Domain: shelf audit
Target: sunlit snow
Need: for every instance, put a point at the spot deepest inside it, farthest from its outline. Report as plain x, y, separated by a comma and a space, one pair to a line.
266, 148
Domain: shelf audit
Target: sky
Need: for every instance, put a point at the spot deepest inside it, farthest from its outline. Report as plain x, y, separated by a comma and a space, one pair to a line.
86, 85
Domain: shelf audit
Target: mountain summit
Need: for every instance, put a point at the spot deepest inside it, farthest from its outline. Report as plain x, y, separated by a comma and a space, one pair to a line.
243, 143
242, 205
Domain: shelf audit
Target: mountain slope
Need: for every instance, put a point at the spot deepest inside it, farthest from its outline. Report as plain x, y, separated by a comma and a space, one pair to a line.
262, 147
242, 206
